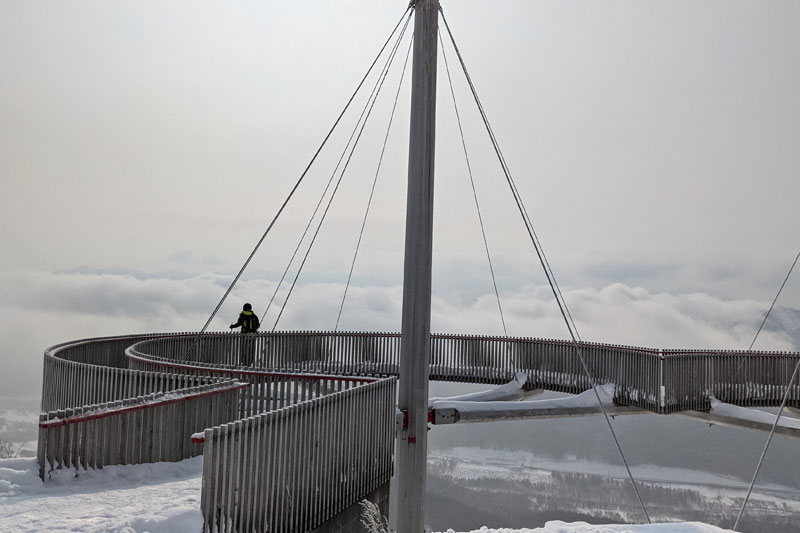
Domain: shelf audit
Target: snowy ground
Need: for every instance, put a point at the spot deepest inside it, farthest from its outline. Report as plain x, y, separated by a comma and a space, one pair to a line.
165, 497
18, 418
475, 463
161, 498
583, 527
515, 485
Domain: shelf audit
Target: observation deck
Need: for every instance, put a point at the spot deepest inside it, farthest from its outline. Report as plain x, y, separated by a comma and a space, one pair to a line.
308, 429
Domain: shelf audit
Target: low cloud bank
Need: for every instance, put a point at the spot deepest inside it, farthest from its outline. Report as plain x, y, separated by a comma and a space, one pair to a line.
43, 308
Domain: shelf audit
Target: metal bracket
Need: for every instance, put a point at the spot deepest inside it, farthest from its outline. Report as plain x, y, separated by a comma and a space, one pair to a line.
401, 420
443, 416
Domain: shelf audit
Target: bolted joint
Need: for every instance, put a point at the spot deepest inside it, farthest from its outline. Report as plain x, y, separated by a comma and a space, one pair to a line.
444, 416
401, 420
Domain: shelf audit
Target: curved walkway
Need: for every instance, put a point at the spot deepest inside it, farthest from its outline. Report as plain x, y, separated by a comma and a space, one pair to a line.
308, 427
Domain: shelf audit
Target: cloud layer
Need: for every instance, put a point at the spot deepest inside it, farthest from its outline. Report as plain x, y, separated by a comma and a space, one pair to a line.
42, 308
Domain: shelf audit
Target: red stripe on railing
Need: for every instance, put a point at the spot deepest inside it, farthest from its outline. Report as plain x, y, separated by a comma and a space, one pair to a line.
317, 377
158, 403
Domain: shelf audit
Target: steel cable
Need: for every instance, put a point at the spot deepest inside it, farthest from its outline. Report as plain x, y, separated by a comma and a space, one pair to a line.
372, 190
764, 320
297, 184
556, 293
330, 180
766, 446
783, 401
472, 183
370, 105
775, 300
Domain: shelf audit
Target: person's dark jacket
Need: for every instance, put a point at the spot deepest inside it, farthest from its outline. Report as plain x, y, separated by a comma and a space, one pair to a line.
248, 321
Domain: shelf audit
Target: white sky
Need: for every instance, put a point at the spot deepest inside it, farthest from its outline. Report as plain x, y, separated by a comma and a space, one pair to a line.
655, 143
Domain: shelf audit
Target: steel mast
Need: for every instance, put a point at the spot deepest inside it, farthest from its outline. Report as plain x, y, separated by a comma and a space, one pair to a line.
411, 450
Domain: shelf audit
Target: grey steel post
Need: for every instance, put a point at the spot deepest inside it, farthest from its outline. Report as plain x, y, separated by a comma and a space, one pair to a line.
662, 390
412, 442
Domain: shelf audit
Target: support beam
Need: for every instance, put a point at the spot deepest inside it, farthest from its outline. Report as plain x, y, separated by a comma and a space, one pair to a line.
411, 452
738, 422
511, 391
452, 415
448, 411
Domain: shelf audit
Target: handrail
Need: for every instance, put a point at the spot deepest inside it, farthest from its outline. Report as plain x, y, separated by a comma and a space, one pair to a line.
144, 397
293, 468
96, 412
664, 380
132, 354
659, 380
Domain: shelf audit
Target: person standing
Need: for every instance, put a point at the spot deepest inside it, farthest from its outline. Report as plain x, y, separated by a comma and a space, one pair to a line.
249, 323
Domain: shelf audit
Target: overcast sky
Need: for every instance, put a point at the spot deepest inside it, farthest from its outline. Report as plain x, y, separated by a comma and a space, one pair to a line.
144, 147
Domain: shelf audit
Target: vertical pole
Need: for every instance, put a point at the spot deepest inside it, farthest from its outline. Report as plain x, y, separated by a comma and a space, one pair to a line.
412, 441
662, 390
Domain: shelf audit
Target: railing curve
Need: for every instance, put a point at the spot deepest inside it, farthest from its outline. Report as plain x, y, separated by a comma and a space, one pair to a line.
261, 406
105, 403
659, 380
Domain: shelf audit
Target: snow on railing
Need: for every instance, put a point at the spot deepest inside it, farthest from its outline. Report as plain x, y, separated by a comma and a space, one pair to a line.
756, 418
142, 414
549, 364
475, 408
93, 371
270, 389
144, 429
307, 387
660, 381
294, 468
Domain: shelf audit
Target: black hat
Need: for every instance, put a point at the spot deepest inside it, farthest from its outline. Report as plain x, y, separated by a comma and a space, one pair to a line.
247, 307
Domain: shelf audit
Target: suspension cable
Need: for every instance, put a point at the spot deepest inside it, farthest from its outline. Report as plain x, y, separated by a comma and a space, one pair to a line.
766, 445
371, 106
783, 401
764, 320
562, 304
775, 300
333, 175
374, 182
472, 183
297, 184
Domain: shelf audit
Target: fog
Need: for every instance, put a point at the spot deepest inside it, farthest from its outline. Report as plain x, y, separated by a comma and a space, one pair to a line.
40, 309
145, 146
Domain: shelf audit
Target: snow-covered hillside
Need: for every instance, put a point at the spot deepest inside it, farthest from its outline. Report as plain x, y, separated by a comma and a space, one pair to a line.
162, 498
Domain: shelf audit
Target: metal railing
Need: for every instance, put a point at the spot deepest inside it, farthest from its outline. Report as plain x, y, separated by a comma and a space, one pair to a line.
293, 468
333, 433
749, 379
316, 422
145, 429
90, 398
93, 371
269, 389
662, 381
